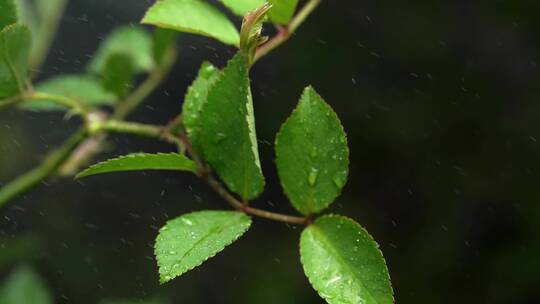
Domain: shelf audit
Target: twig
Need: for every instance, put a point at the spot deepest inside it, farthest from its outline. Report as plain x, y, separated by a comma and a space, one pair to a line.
206, 175
51, 163
146, 88
93, 145
229, 198
287, 31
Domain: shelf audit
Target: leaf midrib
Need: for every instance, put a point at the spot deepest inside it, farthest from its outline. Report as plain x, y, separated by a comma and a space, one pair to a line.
216, 230
338, 257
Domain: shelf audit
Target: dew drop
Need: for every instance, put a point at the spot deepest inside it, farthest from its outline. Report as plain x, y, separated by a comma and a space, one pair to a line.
219, 137
312, 177
338, 181
187, 222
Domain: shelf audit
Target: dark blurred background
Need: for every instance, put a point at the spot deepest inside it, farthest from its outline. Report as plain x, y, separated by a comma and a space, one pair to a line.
441, 102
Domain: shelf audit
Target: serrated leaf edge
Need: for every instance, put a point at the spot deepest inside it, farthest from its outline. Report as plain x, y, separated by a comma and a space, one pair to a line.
162, 281
308, 90
377, 247
189, 29
85, 171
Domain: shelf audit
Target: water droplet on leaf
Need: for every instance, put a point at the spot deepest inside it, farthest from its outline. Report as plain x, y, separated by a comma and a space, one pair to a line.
312, 177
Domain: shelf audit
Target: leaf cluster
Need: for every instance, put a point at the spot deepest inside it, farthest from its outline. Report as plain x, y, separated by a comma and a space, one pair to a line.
216, 134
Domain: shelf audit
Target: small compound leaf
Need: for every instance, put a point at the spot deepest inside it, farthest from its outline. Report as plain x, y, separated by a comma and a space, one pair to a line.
142, 161
344, 263
187, 241
164, 40
192, 16
25, 286
282, 10
134, 42
118, 74
8, 13
83, 88
312, 154
196, 97
15, 45
241, 7
228, 139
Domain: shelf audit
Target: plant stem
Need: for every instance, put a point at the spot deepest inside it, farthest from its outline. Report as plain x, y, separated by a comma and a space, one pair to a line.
90, 147
51, 163
206, 175
80, 147
229, 198
155, 78
116, 126
67, 102
286, 32
10, 102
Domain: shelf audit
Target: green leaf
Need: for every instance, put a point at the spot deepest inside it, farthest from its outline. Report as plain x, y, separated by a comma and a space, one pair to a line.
344, 263
241, 7
86, 89
15, 44
192, 16
228, 139
187, 241
164, 39
282, 10
312, 154
196, 97
134, 42
8, 13
24, 286
142, 161
118, 74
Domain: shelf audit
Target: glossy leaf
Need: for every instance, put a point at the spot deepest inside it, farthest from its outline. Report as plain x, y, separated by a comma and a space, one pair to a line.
196, 97
15, 44
187, 241
134, 42
8, 13
344, 263
85, 89
118, 74
282, 10
312, 154
241, 7
228, 138
24, 286
192, 16
142, 161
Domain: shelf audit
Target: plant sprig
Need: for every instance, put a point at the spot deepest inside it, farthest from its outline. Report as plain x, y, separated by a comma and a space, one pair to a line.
216, 140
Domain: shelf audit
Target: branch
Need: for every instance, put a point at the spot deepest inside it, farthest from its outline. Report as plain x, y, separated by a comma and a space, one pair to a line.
229, 198
51, 163
155, 78
286, 32
93, 145
206, 175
